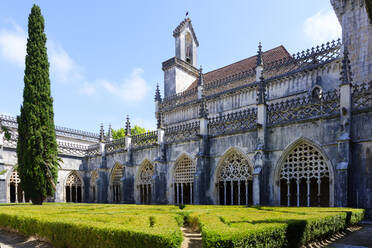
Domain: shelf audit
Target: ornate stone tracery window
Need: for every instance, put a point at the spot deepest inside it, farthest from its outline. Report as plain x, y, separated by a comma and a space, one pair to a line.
74, 188
304, 178
15, 190
235, 180
183, 181
144, 183
116, 176
93, 186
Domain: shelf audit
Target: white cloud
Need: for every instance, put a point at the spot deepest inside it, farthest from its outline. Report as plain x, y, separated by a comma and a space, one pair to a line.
133, 89
87, 89
322, 27
62, 66
13, 44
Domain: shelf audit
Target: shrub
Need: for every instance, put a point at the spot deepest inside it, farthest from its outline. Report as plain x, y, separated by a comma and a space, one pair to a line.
152, 221
181, 206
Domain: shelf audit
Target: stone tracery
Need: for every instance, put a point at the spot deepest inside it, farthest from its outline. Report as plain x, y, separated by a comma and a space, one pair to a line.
73, 188
235, 180
183, 180
144, 183
304, 177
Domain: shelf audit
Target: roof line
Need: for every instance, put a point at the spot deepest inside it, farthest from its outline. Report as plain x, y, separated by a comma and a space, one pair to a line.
248, 58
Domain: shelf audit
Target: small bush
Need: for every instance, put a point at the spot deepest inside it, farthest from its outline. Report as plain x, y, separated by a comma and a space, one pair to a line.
152, 221
181, 206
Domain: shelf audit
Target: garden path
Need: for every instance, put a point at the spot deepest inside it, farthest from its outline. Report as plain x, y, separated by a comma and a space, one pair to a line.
191, 239
15, 240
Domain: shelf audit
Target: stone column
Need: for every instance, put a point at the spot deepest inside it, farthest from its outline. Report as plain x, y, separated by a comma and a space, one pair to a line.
344, 140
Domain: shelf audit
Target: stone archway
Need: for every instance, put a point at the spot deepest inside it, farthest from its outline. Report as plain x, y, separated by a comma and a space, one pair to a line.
304, 176
74, 188
234, 179
117, 174
183, 180
144, 182
16, 193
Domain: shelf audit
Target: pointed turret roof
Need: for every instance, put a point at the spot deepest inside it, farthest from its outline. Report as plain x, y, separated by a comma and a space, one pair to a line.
186, 22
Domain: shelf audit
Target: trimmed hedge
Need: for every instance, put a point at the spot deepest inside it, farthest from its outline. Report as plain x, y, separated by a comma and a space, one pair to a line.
69, 228
273, 227
104, 225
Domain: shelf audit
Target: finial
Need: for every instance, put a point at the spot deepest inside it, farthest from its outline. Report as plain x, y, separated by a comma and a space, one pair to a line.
259, 55
157, 94
127, 127
109, 133
346, 68
201, 77
187, 13
102, 134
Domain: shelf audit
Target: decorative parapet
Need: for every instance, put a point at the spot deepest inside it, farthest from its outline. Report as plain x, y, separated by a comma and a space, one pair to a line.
71, 149
181, 133
362, 96
115, 145
303, 108
11, 122
94, 150
240, 121
180, 98
145, 139
309, 58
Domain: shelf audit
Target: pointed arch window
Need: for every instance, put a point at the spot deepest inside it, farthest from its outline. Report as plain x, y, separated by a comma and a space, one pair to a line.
116, 176
17, 195
144, 184
74, 192
235, 180
304, 178
183, 181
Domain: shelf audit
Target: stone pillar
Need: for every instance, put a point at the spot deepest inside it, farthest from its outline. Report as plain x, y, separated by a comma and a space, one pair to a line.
344, 140
102, 182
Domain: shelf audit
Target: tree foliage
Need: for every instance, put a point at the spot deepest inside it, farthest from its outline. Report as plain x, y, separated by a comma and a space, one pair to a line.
120, 133
37, 150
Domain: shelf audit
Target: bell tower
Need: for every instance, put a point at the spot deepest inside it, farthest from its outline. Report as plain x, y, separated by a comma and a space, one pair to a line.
180, 71
356, 35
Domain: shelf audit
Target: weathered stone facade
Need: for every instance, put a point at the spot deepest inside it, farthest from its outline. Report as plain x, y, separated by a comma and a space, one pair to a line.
274, 129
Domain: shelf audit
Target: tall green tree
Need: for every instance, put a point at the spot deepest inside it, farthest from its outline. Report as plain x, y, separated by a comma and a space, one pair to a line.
120, 133
37, 147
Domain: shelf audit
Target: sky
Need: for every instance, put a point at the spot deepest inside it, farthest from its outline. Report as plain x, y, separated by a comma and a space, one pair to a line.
105, 56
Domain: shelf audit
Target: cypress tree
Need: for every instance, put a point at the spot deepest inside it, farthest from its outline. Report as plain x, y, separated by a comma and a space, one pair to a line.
37, 147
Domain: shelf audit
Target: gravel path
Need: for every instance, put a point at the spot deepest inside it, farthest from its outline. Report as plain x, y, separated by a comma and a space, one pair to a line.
15, 240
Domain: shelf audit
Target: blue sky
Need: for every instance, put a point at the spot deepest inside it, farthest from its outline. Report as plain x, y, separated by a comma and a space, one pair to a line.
106, 56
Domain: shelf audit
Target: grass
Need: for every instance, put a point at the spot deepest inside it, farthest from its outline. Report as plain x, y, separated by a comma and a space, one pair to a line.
106, 225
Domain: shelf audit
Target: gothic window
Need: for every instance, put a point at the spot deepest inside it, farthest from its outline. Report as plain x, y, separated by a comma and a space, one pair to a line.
188, 48
117, 174
304, 178
93, 186
74, 188
15, 190
316, 93
235, 180
183, 181
144, 184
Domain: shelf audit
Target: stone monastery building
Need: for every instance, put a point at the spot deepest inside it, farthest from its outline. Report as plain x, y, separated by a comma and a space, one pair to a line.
272, 129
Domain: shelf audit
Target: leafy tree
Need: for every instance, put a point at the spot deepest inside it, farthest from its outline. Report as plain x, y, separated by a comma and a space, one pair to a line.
37, 147
120, 133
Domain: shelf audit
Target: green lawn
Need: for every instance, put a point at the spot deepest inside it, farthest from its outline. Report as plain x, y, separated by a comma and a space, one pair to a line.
106, 225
